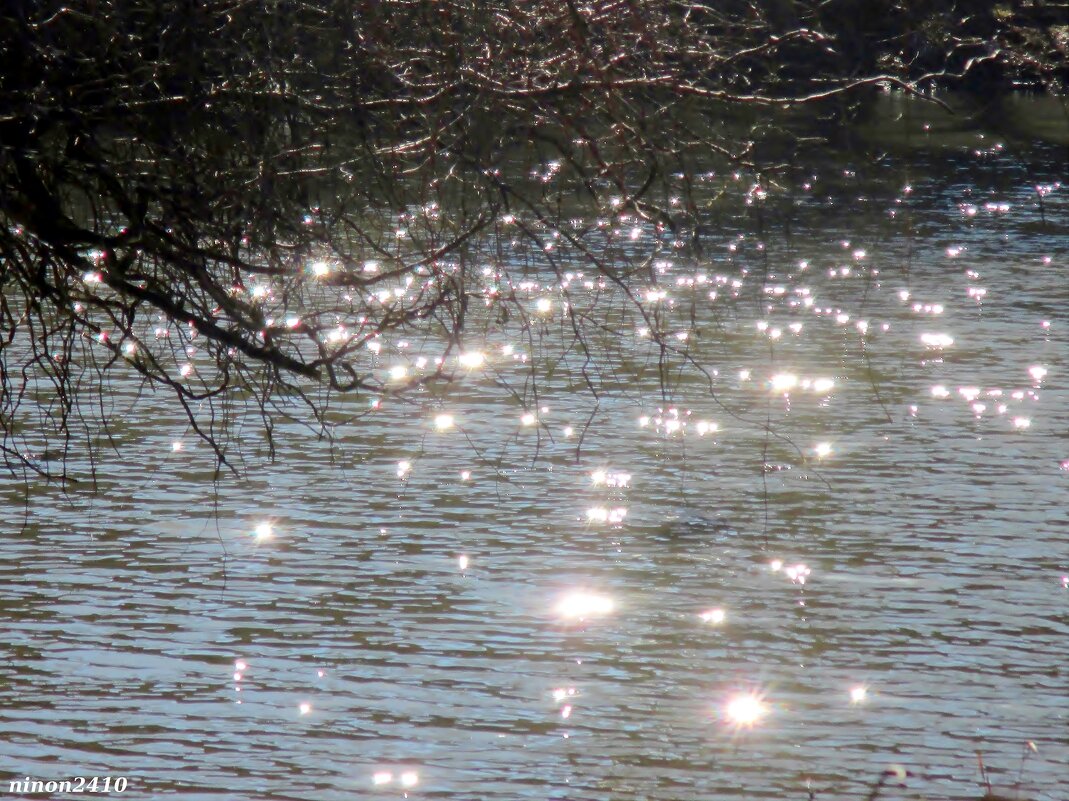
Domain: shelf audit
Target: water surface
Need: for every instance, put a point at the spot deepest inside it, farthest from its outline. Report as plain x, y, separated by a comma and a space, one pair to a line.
150, 633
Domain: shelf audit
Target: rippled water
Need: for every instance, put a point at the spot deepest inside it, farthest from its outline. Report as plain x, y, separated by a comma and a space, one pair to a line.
150, 633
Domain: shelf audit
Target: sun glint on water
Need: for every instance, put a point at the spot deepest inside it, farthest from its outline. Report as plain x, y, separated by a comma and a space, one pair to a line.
745, 709
581, 605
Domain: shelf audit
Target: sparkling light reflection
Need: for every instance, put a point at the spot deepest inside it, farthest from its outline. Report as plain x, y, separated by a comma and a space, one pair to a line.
784, 382
581, 605
797, 573
610, 479
601, 514
714, 616
937, 341
471, 359
745, 710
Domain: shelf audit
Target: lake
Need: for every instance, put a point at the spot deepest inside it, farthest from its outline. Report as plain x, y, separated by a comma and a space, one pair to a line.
827, 541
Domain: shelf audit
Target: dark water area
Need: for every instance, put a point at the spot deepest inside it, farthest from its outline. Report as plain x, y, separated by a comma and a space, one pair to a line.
832, 544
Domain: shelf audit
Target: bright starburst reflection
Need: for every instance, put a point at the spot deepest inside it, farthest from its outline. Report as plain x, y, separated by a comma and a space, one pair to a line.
822, 449
382, 777
263, 531
304, 707
580, 605
745, 709
858, 694
409, 778
443, 422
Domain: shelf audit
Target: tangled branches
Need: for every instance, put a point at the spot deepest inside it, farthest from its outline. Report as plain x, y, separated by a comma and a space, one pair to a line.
221, 197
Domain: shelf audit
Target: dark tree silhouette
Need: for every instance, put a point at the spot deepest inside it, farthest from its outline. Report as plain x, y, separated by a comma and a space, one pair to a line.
278, 185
